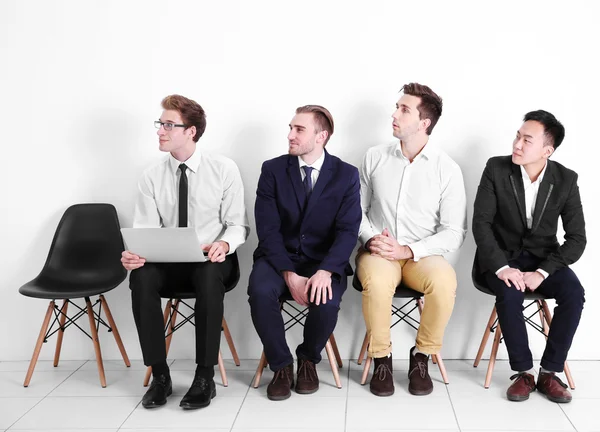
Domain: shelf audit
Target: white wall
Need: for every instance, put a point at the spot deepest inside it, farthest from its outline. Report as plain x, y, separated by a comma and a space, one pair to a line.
81, 83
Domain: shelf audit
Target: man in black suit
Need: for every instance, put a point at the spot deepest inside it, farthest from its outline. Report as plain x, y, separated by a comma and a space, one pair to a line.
517, 207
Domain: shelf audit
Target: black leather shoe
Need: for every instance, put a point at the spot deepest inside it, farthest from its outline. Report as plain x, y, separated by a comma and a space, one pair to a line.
200, 393
159, 390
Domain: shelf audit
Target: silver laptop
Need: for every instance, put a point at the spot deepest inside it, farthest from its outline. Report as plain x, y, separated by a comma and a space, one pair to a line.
164, 245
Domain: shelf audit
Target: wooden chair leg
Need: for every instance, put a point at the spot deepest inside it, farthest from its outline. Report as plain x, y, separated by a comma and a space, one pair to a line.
569, 376
229, 340
366, 369
548, 317
259, 370
166, 319
115, 331
490, 370
338, 358
222, 370
38, 344
543, 322
92, 320
486, 335
363, 348
172, 325
334, 369
440, 363
61, 332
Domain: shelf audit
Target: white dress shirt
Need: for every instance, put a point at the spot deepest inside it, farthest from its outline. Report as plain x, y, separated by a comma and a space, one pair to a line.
531, 193
423, 204
317, 165
215, 198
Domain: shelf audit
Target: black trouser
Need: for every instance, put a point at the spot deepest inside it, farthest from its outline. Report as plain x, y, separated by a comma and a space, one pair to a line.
265, 287
565, 288
206, 279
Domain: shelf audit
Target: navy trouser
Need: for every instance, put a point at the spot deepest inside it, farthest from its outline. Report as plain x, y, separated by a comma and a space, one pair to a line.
265, 287
565, 288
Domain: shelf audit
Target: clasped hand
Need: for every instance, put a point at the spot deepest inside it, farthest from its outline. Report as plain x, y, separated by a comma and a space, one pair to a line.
386, 246
319, 286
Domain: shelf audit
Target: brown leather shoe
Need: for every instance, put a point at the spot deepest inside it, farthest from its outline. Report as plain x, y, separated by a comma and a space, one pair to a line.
308, 380
554, 389
382, 382
420, 383
281, 385
520, 389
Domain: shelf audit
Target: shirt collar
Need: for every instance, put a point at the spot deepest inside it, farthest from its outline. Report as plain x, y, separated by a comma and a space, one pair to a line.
192, 163
318, 164
427, 152
527, 180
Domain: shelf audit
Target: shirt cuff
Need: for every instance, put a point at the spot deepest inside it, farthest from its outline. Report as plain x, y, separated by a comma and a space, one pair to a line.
501, 268
235, 236
418, 249
543, 273
365, 236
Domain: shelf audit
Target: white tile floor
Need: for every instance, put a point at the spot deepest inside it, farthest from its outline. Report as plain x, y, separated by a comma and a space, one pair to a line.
69, 398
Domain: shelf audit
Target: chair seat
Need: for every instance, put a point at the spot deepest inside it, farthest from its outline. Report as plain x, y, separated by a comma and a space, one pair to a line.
70, 288
402, 291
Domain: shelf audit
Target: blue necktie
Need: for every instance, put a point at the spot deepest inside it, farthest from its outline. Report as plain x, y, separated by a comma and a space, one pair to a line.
308, 185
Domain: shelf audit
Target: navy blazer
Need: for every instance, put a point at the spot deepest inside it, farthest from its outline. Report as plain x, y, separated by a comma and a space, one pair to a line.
499, 220
325, 231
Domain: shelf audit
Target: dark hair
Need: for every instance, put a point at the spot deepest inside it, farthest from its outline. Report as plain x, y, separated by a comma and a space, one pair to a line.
322, 117
191, 112
430, 106
553, 129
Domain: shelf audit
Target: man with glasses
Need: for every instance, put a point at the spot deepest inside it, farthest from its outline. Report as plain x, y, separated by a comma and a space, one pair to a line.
195, 189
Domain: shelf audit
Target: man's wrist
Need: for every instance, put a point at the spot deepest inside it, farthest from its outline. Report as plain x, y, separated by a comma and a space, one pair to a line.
368, 244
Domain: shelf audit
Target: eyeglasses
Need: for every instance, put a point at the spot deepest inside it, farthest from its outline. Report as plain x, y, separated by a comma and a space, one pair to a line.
167, 126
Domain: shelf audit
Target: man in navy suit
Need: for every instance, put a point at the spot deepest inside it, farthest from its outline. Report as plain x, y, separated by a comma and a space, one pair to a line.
307, 219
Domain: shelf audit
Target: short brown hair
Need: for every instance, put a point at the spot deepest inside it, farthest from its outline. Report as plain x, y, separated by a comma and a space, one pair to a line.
191, 112
430, 106
322, 117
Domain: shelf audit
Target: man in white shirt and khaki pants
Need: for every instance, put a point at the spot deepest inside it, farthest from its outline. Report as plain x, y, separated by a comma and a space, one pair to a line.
414, 210
188, 188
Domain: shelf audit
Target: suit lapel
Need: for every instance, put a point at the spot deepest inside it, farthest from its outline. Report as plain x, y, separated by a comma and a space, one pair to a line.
324, 177
516, 181
543, 196
294, 175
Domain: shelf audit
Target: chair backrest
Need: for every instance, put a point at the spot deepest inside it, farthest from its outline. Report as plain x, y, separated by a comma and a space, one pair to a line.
87, 245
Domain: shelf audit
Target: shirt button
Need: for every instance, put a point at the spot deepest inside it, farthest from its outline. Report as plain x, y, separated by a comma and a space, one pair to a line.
302, 236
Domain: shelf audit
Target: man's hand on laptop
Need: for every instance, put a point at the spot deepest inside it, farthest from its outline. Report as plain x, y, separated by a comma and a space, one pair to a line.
131, 261
217, 251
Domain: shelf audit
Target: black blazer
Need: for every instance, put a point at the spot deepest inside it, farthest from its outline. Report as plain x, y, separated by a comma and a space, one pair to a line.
500, 225
325, 230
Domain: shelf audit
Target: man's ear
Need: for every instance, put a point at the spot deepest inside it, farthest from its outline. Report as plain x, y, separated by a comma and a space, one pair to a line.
548, 150
322, 136
192, 131
425, 123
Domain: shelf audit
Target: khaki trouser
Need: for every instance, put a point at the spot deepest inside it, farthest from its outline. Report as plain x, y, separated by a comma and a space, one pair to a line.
433, 276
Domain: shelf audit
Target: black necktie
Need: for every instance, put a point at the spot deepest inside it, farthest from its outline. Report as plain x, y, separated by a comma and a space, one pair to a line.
308, 185
183, 197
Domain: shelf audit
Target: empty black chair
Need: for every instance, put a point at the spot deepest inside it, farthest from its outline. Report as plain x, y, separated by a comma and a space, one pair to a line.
296, 316
84, 261
402, 313
176, 297
540, 308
